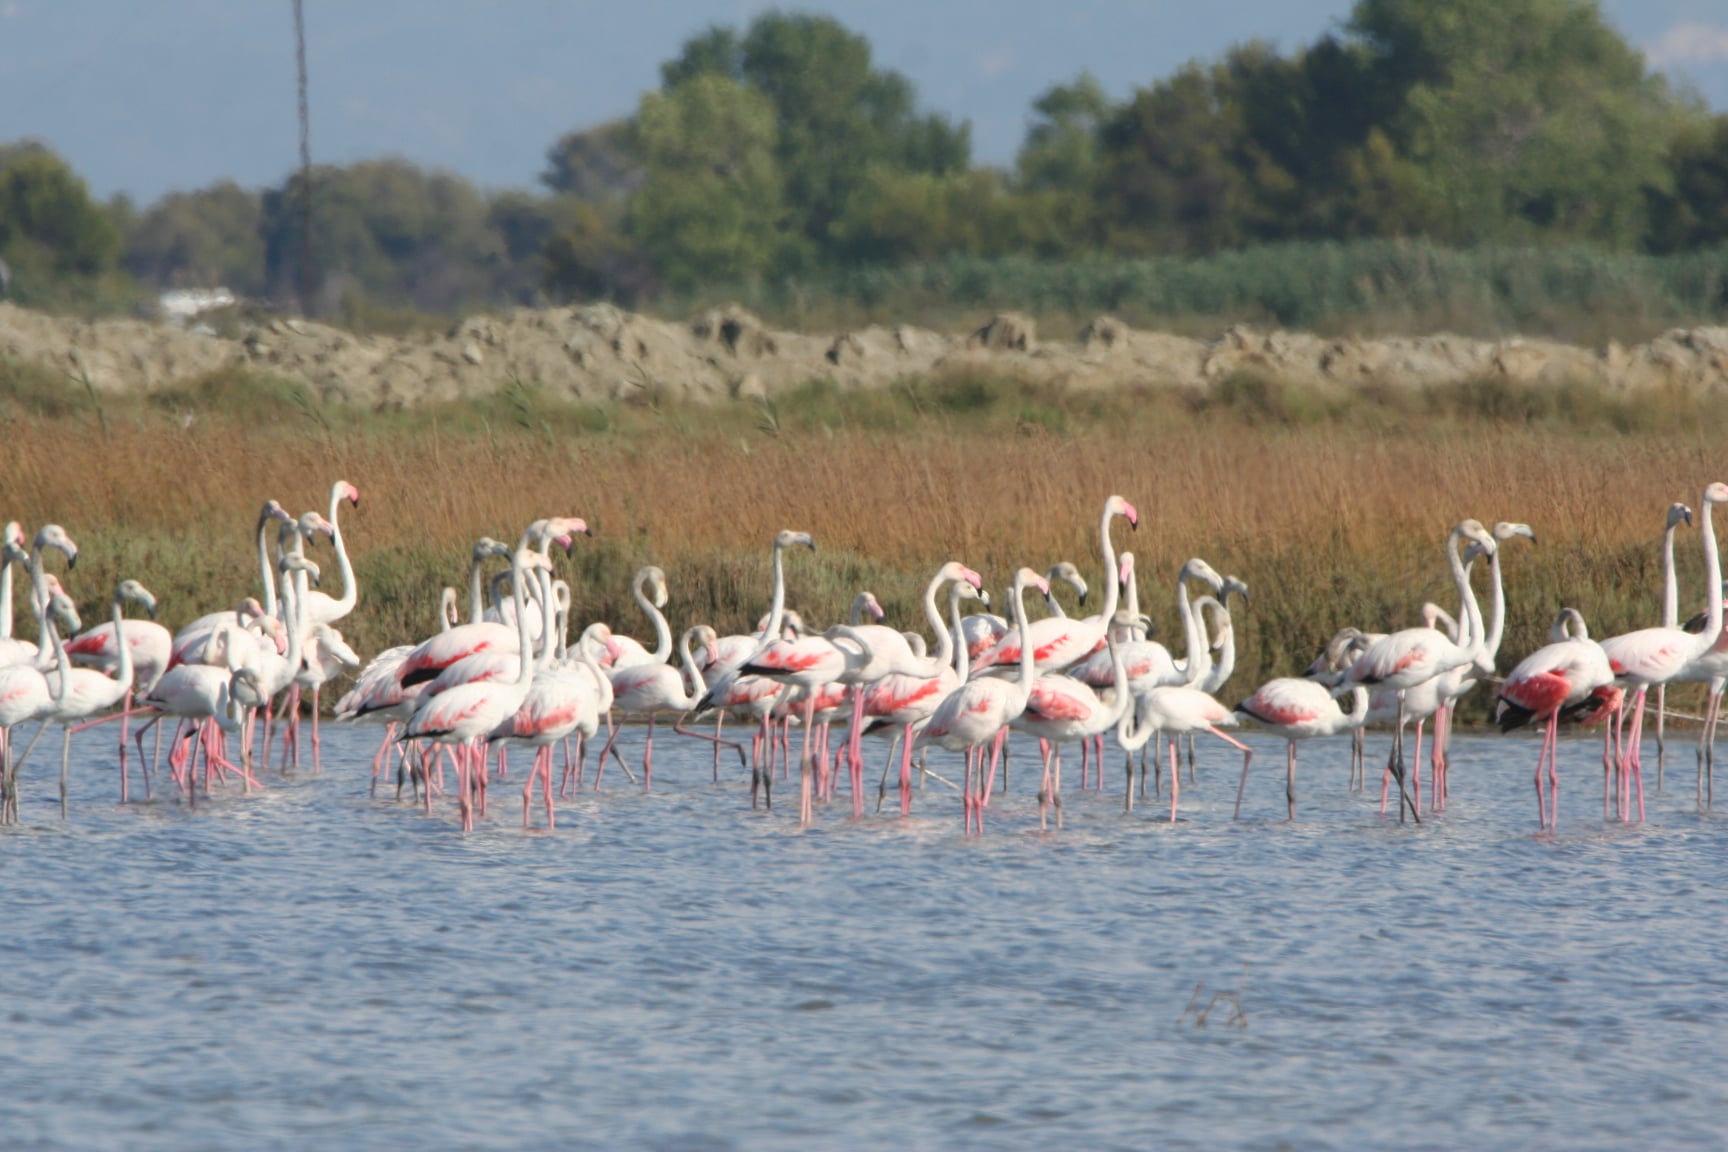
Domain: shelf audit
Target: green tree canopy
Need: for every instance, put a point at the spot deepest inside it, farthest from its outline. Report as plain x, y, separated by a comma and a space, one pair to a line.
207, 238
49, 225
710, 203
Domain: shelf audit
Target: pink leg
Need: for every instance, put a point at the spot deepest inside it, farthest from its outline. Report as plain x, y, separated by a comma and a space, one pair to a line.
906, 772
648, 758
1416, 768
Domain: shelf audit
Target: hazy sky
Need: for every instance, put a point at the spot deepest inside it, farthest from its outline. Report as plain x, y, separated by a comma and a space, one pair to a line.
147, 97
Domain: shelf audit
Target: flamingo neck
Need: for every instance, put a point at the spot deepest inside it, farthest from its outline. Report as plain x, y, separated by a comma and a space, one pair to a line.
1195, 658
123, 673
945, 643
1112, 586
525, 646
1358, 714
266, 570
1133, 592
350, 590
1028, 664
698, 686
1712, 582
956, 639
63, 666
5, 600
476, 607
548, 637
1670, 588
662, 632
1119, 682
1496, 606
777, 605
1472, 611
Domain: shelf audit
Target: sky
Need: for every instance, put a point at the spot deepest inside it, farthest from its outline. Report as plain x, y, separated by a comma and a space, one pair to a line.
146, 98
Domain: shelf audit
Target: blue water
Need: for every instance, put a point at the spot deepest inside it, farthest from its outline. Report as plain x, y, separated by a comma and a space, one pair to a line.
308, 968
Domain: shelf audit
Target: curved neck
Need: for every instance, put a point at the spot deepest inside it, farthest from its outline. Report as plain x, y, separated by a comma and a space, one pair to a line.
476, 606
1496, 605
350, 591
1028, 664
662, 633
1670, 590
548, 635
776, 606
697, 686
5, 599
525, 650
1112, 586
39, 594
291, 608
1133, 592
944, 638
446, 609
957, 637
1196, 660
1466, 594
1358, 714
267, 570
1119, 680
1712, 582
123, 672
1055, 605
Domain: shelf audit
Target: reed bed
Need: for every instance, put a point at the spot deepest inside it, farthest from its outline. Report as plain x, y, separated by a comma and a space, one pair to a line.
1333, 511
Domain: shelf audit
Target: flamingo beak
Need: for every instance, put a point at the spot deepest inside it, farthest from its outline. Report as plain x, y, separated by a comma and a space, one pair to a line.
973, 578
1132, 515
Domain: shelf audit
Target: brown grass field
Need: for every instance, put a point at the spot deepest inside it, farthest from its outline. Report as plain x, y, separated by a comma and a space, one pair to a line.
1333, 511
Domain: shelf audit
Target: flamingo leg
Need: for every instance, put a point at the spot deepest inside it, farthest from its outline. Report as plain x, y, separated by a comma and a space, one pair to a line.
1661, 733
1175, 781
648, 758
805, 766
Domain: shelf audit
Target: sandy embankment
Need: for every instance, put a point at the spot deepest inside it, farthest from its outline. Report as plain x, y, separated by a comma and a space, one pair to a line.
598, 352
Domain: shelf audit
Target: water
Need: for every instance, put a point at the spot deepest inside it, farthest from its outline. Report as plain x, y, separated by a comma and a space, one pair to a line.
310, 968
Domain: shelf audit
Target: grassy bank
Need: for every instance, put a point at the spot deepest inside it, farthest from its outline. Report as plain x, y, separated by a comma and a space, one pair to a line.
1368, 287
1332, 512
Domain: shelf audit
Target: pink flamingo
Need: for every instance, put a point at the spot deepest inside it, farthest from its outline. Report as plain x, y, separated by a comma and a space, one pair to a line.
980, 710
1653, 656
1405, 659
209, 697
1057, 641
80, 693
1712, 669
1298, 710
1060, 710
1559, 680
320, 607
150, 648
1176, 711
25, 693
432, 656
1677, 514
468, 713
908, 701
12, 650
649, 689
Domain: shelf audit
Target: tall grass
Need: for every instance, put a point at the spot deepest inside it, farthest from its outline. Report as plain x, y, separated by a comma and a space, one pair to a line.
1369, 286
1333, 512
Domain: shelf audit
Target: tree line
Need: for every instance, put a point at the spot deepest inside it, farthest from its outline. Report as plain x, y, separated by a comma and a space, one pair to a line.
782, 152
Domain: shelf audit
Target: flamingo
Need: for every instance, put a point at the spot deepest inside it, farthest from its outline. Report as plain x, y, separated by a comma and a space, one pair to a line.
1712, 669
151, 648
908, 701
1174, 711
1060, 710
628, 652
1677, 514
467, 713
807, 664
326, 656
1652, 656
1405, 659
1058, 641
12, 650
208, 695
432, 656
648, 689
1565, 676
1298, 709
25, 693
980, 710
80, 693
320, 607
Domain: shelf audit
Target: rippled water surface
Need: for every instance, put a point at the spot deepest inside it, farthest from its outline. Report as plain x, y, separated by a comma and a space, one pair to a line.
307, 968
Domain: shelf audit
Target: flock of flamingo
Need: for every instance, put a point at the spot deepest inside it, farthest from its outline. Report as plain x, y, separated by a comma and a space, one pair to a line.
509, 675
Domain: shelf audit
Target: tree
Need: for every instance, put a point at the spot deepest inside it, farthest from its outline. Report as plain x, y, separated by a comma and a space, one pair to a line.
1061, 152
838, 118
49, 225
593, 164
206, 239
709, 205
1693, 212
1529, 117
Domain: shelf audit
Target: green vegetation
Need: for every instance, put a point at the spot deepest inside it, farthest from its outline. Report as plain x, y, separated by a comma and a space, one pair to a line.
1478, 164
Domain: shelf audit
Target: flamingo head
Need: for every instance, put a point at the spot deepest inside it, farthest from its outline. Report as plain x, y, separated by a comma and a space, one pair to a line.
272, 511
954, 570
1198, 569
63, 610
138, 594
346, 491
707, 639
867, 602
249, 609
292, 563
653, 578
14, 535
1677, 514
447, 606
312, 523
1069, 575
1117, 506
1026, 578
1504, 531
964, 591
486, 548
571, 526
1233, 586
786, 538
1717, 493
1125, 568
54, 536
1473, 530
